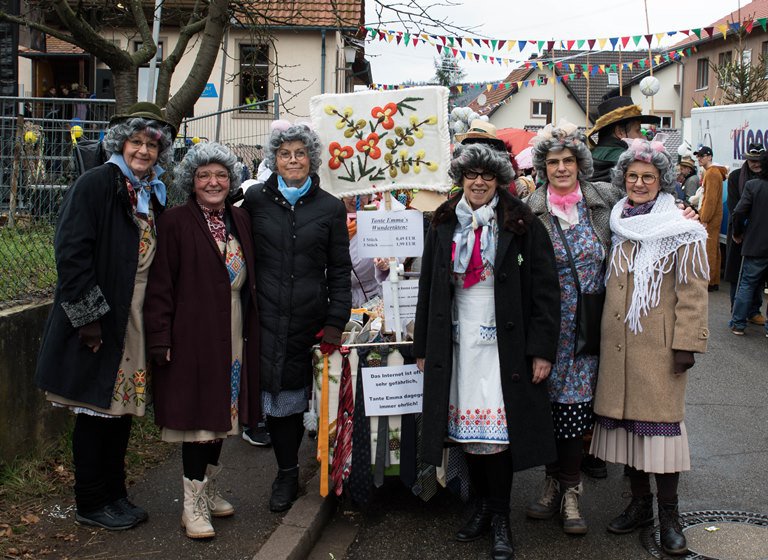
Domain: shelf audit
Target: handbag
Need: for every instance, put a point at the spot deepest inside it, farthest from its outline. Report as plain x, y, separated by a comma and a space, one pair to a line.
589, 310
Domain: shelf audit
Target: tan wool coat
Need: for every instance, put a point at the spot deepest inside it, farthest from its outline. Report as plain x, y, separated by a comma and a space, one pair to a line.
636, 379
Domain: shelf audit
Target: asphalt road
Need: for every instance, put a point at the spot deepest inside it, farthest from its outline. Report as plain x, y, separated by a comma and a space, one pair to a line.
727, 420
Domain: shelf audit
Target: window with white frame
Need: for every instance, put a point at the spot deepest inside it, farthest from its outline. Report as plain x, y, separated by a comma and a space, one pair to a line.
254, 76
702, 73
667, 119
541, 108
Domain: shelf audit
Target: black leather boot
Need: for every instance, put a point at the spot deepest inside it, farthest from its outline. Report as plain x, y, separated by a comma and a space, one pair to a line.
639, 513
477, 525
670, 533
285, 488
501, 547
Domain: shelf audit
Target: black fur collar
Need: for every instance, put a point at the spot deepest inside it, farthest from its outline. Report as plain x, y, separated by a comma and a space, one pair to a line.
515, 215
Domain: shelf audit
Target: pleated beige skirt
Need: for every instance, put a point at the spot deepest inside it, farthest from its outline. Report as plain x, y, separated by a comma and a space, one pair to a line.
652, 454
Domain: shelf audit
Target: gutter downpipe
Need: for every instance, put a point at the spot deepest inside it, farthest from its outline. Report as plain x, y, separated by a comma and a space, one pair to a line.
221, 81
322, 61
153, 63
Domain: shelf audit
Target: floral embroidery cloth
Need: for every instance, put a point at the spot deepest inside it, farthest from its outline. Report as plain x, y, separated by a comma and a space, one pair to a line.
383, 140
573, 377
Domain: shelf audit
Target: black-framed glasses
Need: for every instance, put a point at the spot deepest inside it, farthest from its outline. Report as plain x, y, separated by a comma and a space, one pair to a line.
647, 178
486, 175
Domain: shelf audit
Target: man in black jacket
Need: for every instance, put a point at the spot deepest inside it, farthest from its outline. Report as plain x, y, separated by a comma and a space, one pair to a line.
750, 229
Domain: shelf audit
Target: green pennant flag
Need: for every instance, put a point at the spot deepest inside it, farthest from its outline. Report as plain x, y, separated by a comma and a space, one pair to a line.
585, 67
494, 42
579, 44
613, 68
642, 62
507, 85
372, 31
450, 40
761, 22
406, 38
485, 57
541, 44
636, 39
697, 32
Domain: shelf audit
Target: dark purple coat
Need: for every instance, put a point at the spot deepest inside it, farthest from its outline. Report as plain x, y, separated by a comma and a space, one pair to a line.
187, 309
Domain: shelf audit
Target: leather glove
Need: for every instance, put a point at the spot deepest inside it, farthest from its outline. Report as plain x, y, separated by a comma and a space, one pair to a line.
330, 340
159, 355
90, 335
684, 361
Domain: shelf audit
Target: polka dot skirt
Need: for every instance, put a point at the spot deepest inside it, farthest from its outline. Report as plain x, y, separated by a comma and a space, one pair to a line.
572, 420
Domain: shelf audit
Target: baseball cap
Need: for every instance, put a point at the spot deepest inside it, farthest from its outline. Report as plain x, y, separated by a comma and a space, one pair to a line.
703, 151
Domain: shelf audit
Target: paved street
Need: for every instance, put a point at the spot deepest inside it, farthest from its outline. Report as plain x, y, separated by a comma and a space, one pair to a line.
727, 418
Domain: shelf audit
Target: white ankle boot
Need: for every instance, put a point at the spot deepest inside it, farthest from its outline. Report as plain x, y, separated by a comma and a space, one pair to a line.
218, 506
196, 518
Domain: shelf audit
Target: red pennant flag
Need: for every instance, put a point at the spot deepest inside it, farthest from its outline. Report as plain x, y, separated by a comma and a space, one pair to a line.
559, 64
710, 30
550, 45
415, 40
398, 38
748, 26
455, 52
624, 41
502, 42
459, 39
491, 59
442, 38
591, 43
381, 35
570, 43
685, 31
439, 49
648, 38
527, 64
485, 42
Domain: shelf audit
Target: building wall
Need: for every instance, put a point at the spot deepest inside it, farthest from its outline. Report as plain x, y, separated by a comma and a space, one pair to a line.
667, 101
693, 97
516, 113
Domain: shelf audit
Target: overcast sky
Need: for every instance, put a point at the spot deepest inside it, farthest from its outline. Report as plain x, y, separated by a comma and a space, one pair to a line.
534, 19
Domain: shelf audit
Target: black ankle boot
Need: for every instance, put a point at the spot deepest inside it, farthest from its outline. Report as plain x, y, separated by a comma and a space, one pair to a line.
670, 532
285, 488
501, 546
639, 513
477, 525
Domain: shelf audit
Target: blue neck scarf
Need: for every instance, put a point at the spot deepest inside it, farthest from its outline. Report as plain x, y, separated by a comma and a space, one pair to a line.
143, 187
292, 194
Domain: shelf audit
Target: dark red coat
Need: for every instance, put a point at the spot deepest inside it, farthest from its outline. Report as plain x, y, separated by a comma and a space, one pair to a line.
187, 308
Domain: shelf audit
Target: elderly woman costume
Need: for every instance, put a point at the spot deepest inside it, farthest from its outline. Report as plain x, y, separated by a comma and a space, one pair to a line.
200, 304
487, 324
93, 358
655, 318
575, 213
303, 285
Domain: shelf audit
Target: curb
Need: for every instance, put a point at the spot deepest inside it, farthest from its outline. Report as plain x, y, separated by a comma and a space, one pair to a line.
301, 527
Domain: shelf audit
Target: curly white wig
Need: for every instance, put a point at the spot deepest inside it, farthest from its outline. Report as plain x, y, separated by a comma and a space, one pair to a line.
205, 153
556, 139
652, 152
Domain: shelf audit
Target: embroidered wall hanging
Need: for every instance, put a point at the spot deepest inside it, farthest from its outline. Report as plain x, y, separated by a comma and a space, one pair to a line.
375, 141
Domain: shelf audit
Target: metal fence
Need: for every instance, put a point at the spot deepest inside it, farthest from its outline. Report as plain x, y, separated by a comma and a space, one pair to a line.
37, 139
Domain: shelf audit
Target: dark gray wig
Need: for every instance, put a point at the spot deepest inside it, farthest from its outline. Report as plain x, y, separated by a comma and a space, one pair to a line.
117, 135
480, 157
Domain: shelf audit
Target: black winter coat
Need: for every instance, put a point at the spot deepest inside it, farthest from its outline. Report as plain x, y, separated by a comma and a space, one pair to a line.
750, 219
302, 277
96, 247
527, 301
733, 250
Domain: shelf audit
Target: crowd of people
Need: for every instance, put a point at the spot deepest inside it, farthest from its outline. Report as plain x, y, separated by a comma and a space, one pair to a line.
566, 315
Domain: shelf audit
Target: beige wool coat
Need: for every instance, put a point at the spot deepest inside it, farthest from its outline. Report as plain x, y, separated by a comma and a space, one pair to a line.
636, 379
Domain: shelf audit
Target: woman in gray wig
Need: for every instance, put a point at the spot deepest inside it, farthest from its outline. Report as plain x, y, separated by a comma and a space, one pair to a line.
656, 302
200, 305
485, 337
303, 285
575, 212
92, 358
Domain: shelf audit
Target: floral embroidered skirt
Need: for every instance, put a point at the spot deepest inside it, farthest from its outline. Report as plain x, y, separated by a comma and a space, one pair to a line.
476, 413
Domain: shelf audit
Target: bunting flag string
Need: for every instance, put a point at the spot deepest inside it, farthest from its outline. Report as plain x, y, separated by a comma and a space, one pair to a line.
499, 45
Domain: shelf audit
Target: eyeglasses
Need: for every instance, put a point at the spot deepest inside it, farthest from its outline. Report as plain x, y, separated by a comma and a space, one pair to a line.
486, 175
222, 176
286, 155
567, 161
151, 145
648, 178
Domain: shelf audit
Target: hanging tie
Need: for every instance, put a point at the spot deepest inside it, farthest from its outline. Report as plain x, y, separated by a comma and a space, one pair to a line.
382, 437
342, 454
360, 479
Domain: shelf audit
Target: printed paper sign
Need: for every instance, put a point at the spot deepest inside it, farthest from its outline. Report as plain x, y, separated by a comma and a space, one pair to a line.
390, 234
390, 391
408, 295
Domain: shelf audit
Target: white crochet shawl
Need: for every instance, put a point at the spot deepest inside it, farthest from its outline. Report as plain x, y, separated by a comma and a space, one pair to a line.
655, 238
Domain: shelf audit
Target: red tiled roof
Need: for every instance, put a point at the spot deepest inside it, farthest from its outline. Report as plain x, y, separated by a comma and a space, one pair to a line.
496, 96
54, 45
304, 13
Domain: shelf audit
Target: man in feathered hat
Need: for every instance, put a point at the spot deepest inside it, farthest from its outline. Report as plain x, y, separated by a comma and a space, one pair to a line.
617, 118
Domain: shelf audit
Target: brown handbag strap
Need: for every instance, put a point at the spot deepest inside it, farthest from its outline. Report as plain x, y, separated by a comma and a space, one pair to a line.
568, 252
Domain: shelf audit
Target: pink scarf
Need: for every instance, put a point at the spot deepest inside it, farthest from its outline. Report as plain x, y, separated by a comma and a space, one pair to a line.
563, 206
475, 267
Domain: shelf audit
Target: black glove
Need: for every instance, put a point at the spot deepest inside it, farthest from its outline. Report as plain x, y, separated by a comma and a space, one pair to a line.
330, 339
684, 361
90, 335
159, 355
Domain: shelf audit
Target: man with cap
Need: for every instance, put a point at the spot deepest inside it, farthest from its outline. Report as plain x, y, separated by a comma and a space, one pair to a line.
617, 118
711, 210
750, 229
736, 181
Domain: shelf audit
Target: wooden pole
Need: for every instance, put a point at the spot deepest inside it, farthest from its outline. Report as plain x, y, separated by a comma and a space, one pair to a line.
393, 279
650, 52
621, 73
586, 116
15, 171
554, 88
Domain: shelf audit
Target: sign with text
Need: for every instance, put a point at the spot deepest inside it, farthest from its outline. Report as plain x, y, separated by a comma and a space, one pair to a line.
390, 234
408, 295
394, 390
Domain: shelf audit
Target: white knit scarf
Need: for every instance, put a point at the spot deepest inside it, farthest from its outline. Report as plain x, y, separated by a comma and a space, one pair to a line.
655, 237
